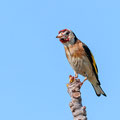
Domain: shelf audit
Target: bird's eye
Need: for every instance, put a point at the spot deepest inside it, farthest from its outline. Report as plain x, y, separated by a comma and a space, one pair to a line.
67, 33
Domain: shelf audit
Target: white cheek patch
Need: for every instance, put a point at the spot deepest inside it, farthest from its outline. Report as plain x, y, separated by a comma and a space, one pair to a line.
71, 38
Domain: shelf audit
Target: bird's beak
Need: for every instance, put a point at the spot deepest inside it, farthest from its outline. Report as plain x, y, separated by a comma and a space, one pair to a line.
59, 36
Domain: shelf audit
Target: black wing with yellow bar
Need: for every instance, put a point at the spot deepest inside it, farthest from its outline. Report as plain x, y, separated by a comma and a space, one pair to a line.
92, 61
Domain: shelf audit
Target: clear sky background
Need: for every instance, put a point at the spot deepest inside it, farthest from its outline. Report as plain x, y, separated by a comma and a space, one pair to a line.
33, 67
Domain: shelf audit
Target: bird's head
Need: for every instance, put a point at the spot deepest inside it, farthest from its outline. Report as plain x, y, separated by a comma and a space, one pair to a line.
66, 37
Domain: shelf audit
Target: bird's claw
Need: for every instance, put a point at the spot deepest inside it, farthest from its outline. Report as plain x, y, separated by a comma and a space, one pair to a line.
76, 75
81, 84
83, 81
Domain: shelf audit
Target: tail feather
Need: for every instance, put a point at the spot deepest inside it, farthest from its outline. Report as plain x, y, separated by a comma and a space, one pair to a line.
98, 90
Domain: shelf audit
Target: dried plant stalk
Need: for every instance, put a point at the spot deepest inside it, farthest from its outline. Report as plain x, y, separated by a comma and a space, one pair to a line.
78, 111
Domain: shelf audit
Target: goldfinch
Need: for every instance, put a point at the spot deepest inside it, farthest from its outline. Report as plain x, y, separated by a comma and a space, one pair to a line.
81, 59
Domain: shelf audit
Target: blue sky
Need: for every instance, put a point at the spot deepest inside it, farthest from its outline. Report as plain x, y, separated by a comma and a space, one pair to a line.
33, 67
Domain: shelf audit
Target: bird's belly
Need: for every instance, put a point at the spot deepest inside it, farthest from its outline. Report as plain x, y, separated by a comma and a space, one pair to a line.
81, 66
77, 65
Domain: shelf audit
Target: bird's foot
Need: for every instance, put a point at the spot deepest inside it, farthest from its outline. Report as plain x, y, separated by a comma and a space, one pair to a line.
81, 84
76, 75
83, 81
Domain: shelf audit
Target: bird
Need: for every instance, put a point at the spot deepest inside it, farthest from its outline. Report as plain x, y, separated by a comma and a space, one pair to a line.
81, 59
